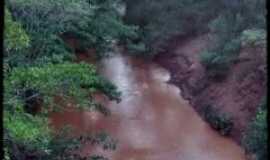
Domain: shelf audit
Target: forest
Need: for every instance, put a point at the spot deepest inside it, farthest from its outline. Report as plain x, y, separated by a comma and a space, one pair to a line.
213, 51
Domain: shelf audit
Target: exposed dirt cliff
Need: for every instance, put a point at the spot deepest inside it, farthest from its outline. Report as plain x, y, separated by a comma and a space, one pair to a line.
239, 94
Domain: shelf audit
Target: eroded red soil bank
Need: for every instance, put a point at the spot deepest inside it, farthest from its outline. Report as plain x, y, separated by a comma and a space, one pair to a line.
239, 94
153, 121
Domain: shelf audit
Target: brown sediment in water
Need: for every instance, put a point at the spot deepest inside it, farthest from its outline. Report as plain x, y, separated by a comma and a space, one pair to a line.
152, 122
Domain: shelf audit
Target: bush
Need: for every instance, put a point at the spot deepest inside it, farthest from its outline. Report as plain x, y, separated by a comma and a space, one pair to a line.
253, 37
136, 48
218, 59
232, 48
28, 130
207, 58
58, 146
63, 147
217, 65
255, 138
219, 121
226, 29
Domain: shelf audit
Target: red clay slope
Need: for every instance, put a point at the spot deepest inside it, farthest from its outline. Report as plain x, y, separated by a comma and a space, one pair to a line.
239, 94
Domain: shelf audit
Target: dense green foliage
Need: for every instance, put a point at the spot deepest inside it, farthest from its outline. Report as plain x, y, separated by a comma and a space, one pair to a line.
15, 37
255, 138
94, 23
38, 61
27, 129
39, 67
15, 40
59, 147
219, 121
68, 80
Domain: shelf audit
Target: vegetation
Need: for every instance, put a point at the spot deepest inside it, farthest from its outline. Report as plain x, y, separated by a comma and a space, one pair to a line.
94, 23
59, 147
235, 24
253, 37
217, 65
255, 138
219, 121
231, 25
39, 67
160, 20
27, 129
14, 33
68, 80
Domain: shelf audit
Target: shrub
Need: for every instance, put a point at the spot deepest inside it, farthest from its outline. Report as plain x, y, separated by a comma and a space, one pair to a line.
217, 120
226, 29
232, 48
207, 58
255, 138
27, 130
6, 154
58, 146
36, 70
62, 147
217, 65
253, 37
218, 59
136, 48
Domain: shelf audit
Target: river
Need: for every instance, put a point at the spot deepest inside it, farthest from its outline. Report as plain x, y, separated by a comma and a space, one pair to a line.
152, 122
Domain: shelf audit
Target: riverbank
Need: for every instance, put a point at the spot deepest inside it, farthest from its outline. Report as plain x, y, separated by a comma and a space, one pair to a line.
239, 94
150, 121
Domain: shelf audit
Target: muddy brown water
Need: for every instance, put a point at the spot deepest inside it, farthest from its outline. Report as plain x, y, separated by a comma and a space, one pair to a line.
152, 122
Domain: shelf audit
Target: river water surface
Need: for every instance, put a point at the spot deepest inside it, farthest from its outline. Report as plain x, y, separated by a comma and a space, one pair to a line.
152, 122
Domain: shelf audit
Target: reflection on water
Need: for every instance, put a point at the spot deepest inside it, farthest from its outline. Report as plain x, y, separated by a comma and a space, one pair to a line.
152, 122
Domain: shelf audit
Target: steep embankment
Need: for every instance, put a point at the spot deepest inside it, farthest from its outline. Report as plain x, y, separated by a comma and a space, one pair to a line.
238, 95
